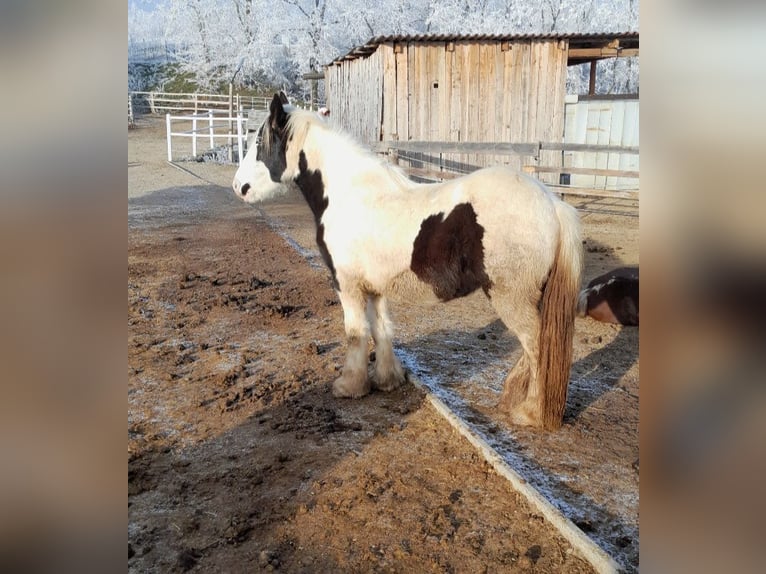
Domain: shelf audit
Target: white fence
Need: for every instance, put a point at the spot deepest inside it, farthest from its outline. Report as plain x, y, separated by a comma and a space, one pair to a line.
206, 128
604, 122
164, 102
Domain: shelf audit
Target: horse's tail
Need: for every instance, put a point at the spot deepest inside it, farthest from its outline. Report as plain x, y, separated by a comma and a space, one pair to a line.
558, 308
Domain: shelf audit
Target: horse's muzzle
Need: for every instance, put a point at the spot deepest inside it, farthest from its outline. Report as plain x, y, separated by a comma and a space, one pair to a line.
240, 188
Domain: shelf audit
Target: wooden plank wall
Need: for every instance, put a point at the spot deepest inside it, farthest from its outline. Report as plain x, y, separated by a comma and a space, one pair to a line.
354, 91
455, 91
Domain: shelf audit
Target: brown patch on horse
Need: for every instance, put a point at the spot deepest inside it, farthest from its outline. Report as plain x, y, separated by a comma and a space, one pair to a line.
309, 181
448, 253
612, 297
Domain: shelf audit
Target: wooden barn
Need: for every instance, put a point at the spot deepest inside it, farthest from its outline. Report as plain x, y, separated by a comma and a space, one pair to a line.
453, 88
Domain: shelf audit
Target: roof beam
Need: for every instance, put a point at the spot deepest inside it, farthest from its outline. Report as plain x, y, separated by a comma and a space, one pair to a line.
593, 53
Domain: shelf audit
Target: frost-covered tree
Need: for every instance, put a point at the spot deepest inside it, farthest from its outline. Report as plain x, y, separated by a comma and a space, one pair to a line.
279, 40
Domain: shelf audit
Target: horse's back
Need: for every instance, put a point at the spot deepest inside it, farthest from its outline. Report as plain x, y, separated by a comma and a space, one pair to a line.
504, 190
519, 215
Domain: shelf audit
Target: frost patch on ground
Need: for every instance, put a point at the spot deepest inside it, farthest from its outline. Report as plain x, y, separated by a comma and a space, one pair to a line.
577, 507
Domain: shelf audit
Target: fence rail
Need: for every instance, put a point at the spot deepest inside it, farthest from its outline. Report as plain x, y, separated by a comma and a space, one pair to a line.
164, 102
425, 159
207, 128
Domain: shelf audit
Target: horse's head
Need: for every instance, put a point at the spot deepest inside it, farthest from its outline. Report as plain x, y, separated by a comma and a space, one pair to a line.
261, 173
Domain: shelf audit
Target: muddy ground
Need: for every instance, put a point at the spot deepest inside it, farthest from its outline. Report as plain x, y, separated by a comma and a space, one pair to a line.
239, 457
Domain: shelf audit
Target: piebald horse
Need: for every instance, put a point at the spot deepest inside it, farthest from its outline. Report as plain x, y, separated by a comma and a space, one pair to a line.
382, 234
612, 297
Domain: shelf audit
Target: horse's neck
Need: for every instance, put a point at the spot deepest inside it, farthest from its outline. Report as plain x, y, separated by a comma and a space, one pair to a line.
351, 173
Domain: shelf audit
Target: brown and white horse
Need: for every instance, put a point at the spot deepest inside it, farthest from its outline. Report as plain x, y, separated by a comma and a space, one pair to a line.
381, 234
612, 297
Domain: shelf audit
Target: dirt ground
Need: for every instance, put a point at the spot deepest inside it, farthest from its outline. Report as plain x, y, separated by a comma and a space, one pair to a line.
239, 457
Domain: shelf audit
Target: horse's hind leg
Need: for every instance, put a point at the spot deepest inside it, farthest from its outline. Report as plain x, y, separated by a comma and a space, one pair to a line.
522, 399
389, 373
354, 382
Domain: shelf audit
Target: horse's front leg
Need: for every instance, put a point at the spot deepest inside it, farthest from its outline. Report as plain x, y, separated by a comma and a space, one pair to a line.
354, 382
389, 373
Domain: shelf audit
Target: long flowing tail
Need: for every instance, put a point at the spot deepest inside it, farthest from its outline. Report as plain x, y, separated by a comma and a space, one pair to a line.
558, 310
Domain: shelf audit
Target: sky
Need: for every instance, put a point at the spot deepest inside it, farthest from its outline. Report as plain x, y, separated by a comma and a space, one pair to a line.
147, 5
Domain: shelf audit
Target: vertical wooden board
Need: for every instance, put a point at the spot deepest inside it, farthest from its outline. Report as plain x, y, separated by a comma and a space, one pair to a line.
469, 99
368, 97
428, 92
455, 70
616, 124
402, 95
535, 90
486, 98
424, 100
379, 71
561, 85
476, 93
474, 107
540, 128
602, 159
512, 95
550, 74
466, 92
591, 134
499, 57
348, 110
589, 159
579, 134
522, 102
463, 63
465, 86
555, 102
412, 92
635, 125
389, 93
420, 94
604, 123
331, 90
539, 120
358, 69
353, 111
443, 97
508, 93
433, 79
629, 162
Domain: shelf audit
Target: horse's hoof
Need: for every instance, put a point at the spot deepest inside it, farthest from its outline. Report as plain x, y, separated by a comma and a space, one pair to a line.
346, 387
525, 415
389, 381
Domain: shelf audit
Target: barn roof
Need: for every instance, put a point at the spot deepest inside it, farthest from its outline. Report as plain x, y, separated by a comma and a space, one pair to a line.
582, 47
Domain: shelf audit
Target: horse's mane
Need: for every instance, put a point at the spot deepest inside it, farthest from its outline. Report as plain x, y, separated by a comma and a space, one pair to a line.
300, 121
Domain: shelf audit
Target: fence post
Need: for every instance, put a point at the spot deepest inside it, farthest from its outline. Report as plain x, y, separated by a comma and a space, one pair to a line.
195, 103
170, 148
239, 136
210, 127
194, 137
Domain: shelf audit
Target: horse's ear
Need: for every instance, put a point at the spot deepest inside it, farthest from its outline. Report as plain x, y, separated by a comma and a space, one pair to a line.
283, 98
277, 115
